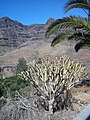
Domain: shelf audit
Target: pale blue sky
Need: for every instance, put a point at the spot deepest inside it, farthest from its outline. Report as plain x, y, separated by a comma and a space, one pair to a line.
35, 11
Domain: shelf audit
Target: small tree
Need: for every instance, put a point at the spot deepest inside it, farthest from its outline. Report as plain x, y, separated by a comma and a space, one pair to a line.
53, 80
21, 66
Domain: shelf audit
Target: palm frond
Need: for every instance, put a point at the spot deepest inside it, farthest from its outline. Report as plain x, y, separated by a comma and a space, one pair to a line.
85, 4
52, 27
83, 36
68, 22
81, 44
61, 37
79, 25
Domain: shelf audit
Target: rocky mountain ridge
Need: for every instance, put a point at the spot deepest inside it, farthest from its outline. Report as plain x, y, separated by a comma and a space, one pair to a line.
13, 33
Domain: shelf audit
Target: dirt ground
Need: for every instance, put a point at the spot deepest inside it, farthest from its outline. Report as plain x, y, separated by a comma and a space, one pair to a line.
81, 96
82, 93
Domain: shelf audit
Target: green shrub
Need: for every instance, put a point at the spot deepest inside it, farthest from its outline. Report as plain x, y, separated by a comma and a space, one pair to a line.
8, 86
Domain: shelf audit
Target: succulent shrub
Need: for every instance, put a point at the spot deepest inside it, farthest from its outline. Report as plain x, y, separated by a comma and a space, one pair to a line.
53, 80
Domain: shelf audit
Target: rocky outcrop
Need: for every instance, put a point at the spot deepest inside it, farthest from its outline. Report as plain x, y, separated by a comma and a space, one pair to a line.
49, 21
10, 33
7, 71
13, 33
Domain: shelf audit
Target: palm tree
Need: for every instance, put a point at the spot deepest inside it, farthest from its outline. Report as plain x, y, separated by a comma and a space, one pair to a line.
80, 27
83, 4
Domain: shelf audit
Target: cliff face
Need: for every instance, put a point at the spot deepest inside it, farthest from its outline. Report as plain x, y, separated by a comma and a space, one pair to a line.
13, 33
10, 32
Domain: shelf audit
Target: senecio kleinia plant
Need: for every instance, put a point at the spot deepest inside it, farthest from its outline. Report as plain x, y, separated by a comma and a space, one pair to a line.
53, 80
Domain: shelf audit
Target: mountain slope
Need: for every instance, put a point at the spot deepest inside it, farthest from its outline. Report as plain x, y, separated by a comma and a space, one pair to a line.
18, 40
13, 34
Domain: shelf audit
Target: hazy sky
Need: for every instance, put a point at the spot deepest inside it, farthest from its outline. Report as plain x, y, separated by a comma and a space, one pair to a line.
35, 11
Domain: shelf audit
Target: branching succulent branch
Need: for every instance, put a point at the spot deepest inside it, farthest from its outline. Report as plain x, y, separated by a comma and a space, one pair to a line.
24, 103
53, 80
